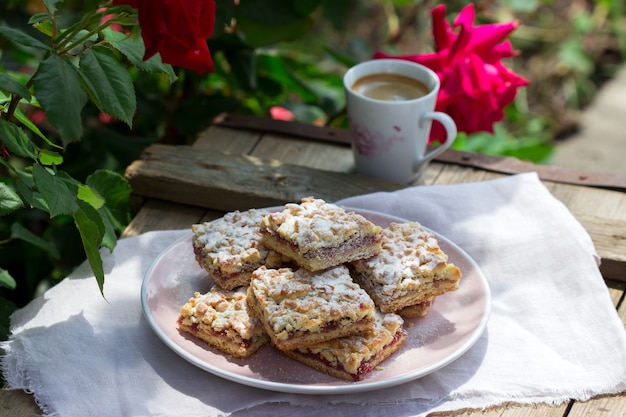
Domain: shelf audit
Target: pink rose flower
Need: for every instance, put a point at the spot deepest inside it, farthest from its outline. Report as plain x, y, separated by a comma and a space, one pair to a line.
475, 85
281, 113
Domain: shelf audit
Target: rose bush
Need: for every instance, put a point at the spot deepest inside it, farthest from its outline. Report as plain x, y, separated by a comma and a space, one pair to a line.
475, 85
83, 61
84, 89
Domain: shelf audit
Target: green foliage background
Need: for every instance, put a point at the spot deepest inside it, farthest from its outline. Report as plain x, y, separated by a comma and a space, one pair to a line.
274, 53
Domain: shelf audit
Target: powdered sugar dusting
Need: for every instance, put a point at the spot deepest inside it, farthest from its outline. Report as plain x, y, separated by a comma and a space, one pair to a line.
409, 253
306, 301
314, 223
221, 311
230, 242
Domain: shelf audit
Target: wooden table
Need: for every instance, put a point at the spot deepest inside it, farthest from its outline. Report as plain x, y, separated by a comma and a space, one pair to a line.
243, 162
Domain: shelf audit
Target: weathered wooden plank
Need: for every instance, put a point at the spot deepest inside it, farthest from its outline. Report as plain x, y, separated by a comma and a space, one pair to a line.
510, 410
509, 165
212, 179
609, 238
17, 403
328, 157
227, 182
163, 215
616, 292
228, 140
454, 174
603, 214
609, 406
503, 165
292, 129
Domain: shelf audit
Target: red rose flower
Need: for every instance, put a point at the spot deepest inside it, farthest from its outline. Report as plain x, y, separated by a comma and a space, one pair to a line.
177, 29
475, 85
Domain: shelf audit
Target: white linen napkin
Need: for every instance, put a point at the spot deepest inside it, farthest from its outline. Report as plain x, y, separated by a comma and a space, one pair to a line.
553, 333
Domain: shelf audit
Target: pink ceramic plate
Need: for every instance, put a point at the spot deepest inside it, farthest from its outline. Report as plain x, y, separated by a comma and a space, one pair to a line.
454, 324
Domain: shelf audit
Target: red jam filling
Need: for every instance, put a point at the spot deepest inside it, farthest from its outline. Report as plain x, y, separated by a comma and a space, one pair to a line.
328, 251
363, 369
222, 335
330, 326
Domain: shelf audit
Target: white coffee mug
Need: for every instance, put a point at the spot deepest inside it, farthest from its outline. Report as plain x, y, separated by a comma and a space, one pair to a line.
389, 134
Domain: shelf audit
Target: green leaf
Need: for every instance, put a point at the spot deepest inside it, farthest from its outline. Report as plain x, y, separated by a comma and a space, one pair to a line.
7, 307
243, 66
47, 157
25, 185
51, 5
108, 84
133, 49
22, 38
58, 89
45, 27
16, 141
274, 67
572, 55
272, 13
20, 232
6, 280
12, 86
9, 200
109, 240
60, 197
337, 12
196, 112
84, 192
23, 119
265, 23
522, 6
116, 213
258, 35
304, 8
116, 191
91, 229
89, 196
38, 18
341, 57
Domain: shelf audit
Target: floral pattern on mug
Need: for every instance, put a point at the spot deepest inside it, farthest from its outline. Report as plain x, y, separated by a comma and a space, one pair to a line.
368, 143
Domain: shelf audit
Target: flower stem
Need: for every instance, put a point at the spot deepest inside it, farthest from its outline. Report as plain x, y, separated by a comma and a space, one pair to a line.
70, 32
15, 100
67, 41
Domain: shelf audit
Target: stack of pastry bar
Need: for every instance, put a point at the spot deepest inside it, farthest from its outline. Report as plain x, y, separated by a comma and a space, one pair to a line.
326, 286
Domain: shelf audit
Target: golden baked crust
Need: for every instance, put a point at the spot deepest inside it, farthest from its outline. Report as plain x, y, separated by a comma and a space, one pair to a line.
230, 248
417, 310
410, 269
302, 308
221, 319
319, 235
354, 357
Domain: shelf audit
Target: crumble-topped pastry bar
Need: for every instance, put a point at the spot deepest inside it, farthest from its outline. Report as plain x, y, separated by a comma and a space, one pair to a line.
411, 269
353, 357
230, 248
302, 308
221, 319
318, 235
417, 310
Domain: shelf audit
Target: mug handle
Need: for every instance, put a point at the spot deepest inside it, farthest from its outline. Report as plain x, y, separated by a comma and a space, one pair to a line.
451, 132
